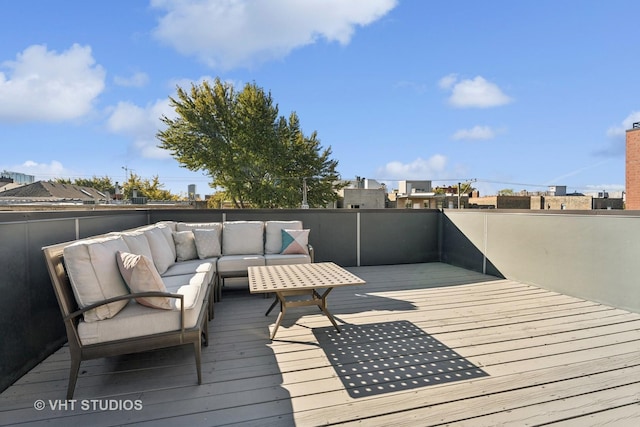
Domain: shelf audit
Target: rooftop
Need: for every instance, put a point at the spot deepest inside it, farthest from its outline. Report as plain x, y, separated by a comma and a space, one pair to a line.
422, 344
52, 191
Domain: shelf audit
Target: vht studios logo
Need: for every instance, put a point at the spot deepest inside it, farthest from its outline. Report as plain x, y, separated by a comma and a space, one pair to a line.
89, 405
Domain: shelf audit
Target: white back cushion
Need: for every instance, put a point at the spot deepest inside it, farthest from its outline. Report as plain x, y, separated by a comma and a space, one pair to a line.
162, 252
167, 232
94, 275
137, 243
273, 242
242, 238
188, 226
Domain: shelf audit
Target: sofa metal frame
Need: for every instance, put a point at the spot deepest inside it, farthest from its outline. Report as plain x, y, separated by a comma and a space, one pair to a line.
197, 335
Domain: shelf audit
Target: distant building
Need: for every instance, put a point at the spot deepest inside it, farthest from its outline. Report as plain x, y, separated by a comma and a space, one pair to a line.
557, 190
414, 187
418, 194
501, 202
632, 174
362, 193
18, 178
556, 198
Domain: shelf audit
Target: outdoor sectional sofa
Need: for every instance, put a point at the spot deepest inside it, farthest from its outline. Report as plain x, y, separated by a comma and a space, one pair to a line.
154, 286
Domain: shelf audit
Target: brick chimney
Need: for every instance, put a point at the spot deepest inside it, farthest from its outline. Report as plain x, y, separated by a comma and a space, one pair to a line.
632, 185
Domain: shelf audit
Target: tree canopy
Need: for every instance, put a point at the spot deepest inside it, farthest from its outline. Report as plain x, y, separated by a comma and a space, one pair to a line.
150, 188
259, 158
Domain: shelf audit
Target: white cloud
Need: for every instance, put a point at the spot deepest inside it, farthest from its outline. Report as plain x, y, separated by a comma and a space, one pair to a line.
620, 130
475, 93
138, 79
447, 81
476, 133
42, 171
141, 124
616, 145
431, 168
44, 85
227, 34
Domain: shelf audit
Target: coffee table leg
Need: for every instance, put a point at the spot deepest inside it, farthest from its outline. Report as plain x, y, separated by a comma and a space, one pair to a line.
325, 310
283, 309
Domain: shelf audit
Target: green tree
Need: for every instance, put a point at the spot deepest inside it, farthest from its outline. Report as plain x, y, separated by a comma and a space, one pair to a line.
259, 159
103, 184
151, 189
506, 192
217, 200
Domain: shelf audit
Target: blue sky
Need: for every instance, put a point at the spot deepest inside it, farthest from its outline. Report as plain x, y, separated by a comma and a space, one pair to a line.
513, 94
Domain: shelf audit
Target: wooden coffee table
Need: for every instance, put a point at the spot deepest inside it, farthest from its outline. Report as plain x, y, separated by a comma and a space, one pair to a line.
300, 279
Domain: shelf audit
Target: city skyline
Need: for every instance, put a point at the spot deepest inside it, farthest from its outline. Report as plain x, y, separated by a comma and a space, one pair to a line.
519, 95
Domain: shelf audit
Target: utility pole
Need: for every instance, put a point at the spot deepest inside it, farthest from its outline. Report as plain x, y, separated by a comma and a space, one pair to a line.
467, 185
305, 205
127, 173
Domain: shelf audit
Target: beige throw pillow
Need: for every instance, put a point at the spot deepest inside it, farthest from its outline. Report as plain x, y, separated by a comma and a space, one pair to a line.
140, 274
207, 243
185, 245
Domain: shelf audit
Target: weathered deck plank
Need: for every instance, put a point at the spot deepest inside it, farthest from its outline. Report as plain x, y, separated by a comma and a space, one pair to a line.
423, 344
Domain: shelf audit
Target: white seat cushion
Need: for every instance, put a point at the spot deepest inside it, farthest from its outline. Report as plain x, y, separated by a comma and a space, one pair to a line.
136, 320
238, 263
191, 286
191, 266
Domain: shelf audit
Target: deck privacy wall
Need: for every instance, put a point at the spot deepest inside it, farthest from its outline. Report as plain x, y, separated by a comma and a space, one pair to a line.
30, 324
592, 255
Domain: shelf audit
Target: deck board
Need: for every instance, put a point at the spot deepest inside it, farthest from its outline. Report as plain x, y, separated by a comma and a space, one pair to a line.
424, 344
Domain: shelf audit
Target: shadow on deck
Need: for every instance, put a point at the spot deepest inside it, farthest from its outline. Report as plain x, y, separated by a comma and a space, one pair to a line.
390, 357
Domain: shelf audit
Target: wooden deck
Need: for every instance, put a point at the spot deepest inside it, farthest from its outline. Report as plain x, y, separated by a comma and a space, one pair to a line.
425, 344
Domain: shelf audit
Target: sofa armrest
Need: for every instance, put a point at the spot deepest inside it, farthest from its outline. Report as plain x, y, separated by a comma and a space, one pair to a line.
311, 253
